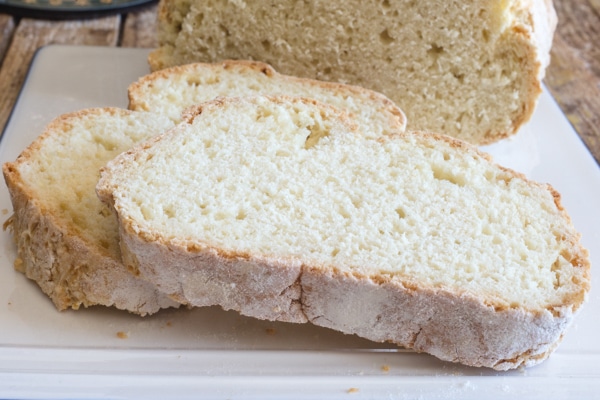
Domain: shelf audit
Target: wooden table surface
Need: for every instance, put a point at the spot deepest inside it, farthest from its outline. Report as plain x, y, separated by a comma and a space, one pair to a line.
573, 76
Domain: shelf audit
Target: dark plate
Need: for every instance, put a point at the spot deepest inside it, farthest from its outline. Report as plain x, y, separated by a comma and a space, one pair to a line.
69, 9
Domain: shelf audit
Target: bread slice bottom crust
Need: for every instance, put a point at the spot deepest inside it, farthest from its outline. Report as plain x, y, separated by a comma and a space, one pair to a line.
66, 268
450, 326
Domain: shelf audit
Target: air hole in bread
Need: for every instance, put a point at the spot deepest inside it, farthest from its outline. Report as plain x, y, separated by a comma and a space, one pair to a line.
193, 81
169, 211
105, 143
556, 269
385, 37
486, 230
435, 50
344, 213
263, 113
241, 215
224, 29
401, 213
459, 77
440, 173
486, 35
316, 133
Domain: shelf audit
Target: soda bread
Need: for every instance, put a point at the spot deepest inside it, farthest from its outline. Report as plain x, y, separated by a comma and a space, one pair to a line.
281, 209
67, 240
172, 90
469, 69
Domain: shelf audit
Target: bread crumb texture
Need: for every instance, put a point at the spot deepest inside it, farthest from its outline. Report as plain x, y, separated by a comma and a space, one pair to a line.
262, 178
472, 70
66, 181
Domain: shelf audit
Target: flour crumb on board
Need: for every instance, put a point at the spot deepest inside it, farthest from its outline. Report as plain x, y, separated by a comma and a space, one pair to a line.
122, 335
352, 390
385, 368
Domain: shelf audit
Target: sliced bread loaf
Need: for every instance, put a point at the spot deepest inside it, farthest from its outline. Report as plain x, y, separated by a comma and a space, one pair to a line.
472, 69
67, 240
172, 90
75, 257
278, 208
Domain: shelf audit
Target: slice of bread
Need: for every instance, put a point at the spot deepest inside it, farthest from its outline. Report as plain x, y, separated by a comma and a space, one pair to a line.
67, 240
280, 209
472, 70
172, 90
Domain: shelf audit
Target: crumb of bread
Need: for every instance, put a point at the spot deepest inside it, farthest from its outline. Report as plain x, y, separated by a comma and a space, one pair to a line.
122, 335
385, 368
352, 390
18, 264
270, 331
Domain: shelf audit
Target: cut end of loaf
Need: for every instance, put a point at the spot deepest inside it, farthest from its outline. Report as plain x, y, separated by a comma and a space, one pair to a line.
470, 70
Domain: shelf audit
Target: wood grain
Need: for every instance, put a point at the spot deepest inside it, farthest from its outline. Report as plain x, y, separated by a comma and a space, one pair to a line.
7, 27
573, 77
140, 29
30, 35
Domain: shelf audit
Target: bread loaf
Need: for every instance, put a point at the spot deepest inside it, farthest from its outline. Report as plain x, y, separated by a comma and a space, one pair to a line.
279, 208
67, 240
472, 70
174, 89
